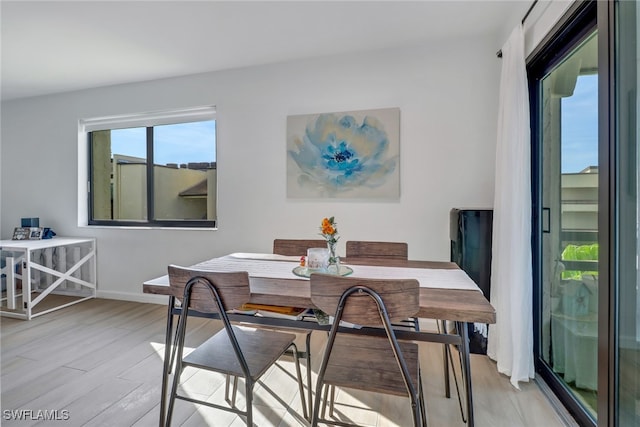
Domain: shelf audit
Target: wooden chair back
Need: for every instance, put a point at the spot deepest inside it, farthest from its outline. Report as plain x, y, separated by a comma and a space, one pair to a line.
389, 250
232, 287
401, 297
296, 247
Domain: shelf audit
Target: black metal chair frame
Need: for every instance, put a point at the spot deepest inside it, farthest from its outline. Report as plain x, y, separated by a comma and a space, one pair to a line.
416, 397
249, 383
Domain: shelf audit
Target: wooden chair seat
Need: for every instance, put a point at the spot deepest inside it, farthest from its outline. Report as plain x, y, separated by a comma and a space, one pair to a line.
261, 349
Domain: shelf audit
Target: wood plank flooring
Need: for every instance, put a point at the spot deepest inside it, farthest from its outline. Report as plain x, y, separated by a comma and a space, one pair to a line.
99, 363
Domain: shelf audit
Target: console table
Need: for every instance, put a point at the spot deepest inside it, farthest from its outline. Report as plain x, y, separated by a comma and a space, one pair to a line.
62, 266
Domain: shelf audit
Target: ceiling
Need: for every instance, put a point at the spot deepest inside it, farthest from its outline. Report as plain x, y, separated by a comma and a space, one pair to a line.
58, 46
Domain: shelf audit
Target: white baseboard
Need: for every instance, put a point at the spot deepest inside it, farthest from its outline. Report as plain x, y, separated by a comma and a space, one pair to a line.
134, 297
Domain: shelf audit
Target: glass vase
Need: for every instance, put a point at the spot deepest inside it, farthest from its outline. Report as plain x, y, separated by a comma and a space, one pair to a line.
334, 260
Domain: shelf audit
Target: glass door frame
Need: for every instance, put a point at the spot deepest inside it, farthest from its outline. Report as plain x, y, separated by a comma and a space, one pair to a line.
618, 149
578, 23
608, 220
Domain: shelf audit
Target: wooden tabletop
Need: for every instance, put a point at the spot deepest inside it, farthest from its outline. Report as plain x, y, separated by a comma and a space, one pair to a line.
435, 303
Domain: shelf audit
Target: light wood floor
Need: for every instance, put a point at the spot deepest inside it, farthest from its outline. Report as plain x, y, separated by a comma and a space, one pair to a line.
101, 361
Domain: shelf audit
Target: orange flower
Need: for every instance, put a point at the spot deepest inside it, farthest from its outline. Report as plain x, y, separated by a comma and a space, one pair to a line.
328, 229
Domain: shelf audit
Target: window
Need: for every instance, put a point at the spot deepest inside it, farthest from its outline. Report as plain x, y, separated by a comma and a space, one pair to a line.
152, 169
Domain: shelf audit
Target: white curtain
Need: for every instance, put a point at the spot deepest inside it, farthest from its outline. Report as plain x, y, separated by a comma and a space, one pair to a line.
510, 341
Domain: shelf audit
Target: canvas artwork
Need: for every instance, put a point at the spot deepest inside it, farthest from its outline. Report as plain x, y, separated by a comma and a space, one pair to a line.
353, 154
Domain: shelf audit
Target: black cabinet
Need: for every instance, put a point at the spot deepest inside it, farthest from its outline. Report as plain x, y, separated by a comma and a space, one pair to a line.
471, 233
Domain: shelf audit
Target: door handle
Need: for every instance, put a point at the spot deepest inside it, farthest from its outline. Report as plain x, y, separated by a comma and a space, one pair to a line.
546, 220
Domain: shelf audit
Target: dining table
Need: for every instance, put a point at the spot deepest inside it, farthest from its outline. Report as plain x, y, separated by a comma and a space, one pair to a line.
447, 293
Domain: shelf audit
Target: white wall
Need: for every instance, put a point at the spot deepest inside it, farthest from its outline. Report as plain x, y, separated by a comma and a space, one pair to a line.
447, 93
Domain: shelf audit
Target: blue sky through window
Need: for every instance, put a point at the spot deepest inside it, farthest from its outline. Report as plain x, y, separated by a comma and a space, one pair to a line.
580, 126
178, 143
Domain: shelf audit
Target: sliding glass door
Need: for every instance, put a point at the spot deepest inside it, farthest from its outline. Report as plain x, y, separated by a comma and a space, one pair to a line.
564, 91
585, 139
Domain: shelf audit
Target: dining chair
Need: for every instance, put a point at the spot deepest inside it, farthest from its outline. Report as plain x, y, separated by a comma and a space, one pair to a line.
296, 247
381, 364
366, 249
234, 350
399, 250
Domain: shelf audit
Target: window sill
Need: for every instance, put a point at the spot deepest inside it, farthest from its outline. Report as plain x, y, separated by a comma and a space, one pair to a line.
147, 227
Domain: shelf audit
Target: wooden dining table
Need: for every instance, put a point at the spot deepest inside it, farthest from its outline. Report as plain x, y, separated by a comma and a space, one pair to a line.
437, 301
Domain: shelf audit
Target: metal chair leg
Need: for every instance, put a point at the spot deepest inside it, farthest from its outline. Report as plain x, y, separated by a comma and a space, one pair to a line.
448, 362
324, 400
230, 400
179, 340
332, 401
423, 406
235, 391
165, 367
465, 367
249, 396
300, 387
445, 358
309, 385
455, 381
173, 353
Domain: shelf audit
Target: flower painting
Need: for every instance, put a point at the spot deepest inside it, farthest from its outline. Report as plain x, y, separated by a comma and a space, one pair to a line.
344, 155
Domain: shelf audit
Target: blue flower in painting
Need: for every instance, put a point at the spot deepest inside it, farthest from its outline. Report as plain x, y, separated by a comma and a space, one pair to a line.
337, 154
341, 158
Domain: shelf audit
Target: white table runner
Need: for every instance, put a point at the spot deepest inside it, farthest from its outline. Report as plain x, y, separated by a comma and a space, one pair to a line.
281, 267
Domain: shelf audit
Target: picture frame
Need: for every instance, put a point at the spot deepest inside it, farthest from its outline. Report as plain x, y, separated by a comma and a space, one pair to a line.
35, 233
27, 233
21, 233
344, 155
